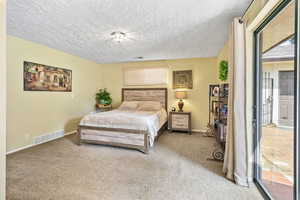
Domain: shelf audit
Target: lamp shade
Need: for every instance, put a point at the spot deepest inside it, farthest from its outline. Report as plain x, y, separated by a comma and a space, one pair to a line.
181, 94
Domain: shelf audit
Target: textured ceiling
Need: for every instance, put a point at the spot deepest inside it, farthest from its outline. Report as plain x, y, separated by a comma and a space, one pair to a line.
157, 29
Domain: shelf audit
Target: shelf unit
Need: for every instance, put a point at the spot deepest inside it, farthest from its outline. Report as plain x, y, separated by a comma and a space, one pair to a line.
218, 112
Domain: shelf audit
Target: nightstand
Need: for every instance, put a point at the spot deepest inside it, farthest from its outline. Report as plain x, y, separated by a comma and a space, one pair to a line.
180, 121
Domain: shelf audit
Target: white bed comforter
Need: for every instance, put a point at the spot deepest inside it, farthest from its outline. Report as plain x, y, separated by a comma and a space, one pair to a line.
136, 120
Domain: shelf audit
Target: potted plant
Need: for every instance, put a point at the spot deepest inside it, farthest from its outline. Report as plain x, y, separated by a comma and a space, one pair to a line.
103, 98
223, 70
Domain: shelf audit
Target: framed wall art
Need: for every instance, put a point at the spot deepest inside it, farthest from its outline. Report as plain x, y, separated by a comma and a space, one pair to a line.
39, 77
183, 79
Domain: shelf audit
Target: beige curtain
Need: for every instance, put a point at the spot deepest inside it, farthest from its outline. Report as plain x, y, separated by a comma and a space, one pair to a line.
235, 161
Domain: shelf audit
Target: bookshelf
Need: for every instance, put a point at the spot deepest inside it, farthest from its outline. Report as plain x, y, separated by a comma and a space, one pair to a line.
218, 112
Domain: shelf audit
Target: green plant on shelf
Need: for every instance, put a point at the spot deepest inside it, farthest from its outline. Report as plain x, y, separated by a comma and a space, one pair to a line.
223, 70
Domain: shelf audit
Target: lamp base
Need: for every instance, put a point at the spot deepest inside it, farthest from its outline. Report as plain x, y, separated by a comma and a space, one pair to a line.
180, 105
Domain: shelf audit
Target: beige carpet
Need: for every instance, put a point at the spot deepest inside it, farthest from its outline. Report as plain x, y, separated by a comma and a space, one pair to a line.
175, 169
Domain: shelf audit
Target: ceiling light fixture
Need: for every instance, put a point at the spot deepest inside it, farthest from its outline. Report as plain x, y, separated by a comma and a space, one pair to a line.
118, 36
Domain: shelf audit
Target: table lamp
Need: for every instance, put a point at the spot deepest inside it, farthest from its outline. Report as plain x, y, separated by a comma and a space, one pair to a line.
180, 95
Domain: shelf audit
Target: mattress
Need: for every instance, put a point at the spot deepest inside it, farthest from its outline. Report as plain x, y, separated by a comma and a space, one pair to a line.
150, 121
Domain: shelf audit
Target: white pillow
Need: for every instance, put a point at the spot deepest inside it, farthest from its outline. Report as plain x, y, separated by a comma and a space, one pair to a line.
149, 106
129, 105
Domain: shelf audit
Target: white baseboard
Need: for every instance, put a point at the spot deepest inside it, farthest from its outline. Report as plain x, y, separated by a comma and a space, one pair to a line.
70, 133
197, 130
20, 149
48, 137
43, 139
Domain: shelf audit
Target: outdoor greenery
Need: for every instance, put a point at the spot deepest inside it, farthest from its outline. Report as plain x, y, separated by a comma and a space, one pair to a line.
223, 70
103, 97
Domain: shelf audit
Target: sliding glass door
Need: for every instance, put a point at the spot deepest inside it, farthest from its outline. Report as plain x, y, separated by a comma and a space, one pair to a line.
275, 120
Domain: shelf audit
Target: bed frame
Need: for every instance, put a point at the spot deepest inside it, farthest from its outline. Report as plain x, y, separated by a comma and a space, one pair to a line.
128, 138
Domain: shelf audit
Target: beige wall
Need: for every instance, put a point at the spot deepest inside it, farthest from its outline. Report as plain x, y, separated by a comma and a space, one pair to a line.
2, 97
31, 114
223, 54
205, 72
39, 113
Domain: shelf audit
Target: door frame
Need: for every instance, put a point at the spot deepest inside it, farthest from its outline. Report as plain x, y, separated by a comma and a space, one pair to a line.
2, 98
297, 104
257, 103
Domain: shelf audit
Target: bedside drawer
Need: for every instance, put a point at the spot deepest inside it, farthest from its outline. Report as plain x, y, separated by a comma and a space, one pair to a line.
180, 126
180, 121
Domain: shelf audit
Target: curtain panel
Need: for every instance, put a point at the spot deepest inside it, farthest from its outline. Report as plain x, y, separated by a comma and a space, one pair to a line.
235, 161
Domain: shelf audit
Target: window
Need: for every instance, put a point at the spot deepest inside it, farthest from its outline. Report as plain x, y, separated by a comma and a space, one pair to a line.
145, 76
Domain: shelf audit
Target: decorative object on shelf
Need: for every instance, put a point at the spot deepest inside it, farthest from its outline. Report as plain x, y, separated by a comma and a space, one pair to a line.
217, 125
214, 90
180, 95
38, 77
223, 70
183, 79
173, 109
215, 107
103, 98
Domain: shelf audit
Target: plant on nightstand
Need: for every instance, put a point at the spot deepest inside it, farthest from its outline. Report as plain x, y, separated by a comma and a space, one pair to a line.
103, 98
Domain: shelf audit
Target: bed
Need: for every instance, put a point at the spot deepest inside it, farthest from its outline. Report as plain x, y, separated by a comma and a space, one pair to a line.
136, 124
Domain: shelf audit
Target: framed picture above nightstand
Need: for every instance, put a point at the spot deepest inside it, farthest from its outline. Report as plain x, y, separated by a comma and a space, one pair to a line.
180, 121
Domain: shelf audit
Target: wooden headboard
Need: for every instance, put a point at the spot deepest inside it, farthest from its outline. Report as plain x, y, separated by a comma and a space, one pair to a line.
146, 94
